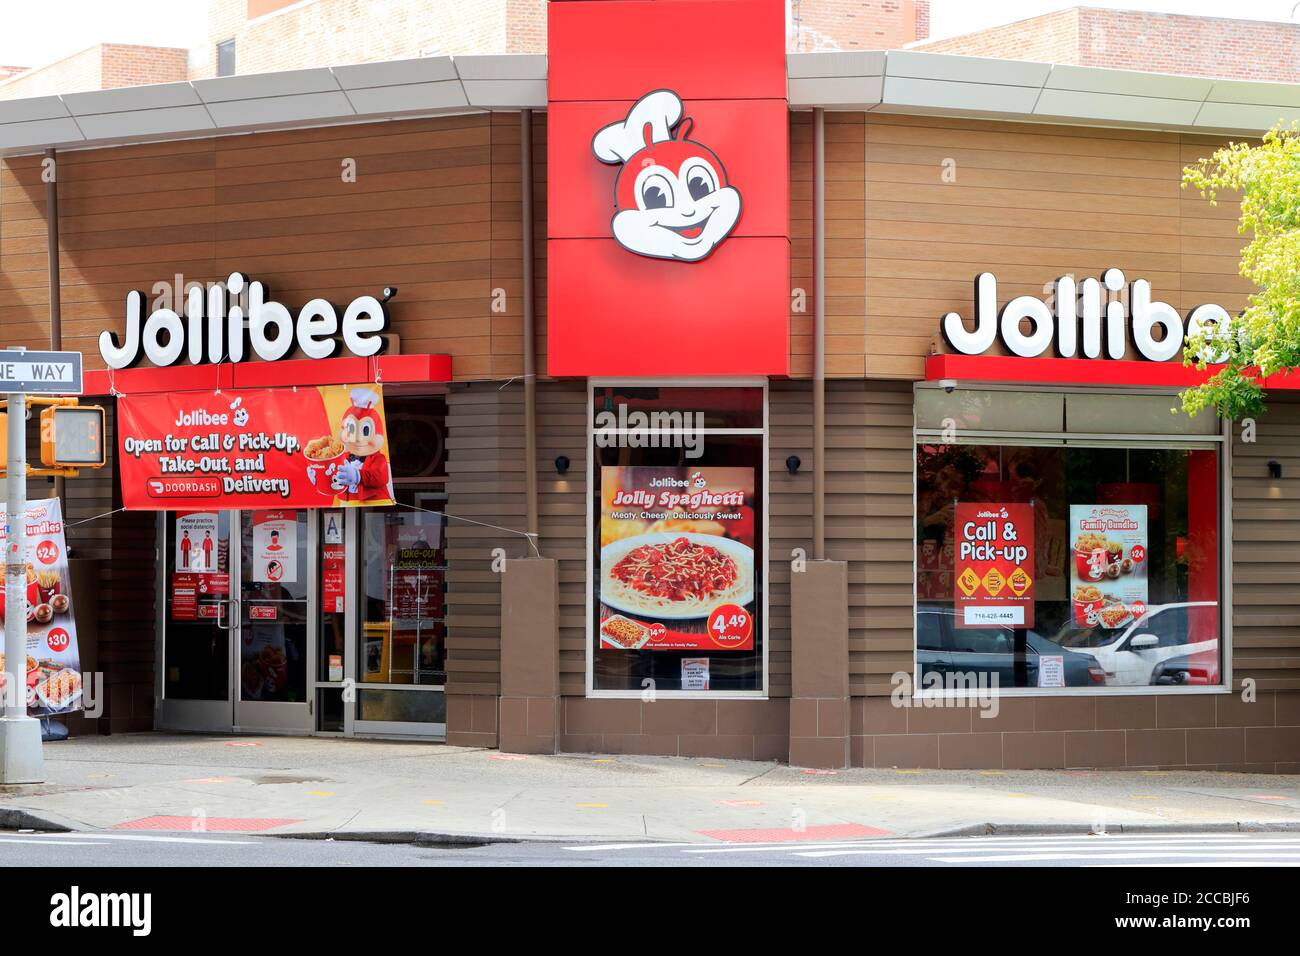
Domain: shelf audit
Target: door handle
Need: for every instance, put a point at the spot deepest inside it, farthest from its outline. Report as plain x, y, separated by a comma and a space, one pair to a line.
232, 605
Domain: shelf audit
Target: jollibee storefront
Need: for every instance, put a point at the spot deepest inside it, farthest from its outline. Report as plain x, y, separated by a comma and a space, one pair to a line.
748, 405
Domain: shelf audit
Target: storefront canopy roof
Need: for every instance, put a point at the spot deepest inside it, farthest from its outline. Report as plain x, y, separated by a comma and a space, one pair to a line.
898, 81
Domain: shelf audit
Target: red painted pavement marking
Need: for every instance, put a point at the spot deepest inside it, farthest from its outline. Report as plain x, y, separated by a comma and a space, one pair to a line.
508, 757
205, 824
243, 743
830, 831
813, 771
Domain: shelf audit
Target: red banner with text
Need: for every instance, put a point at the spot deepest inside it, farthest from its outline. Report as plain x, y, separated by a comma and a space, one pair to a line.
259, 448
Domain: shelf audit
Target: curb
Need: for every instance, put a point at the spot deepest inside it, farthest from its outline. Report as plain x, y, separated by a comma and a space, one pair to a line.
446, 841
16, 818
474, 840
1073, 829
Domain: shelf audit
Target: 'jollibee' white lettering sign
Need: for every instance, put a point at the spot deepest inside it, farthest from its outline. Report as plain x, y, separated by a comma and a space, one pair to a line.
1075, 303
214, 330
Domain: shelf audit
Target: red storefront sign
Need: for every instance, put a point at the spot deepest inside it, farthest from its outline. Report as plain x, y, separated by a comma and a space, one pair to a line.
994, 565
668, 166
258, 448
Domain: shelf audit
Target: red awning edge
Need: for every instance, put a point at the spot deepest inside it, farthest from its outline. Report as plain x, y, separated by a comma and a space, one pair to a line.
1015, 370
393, 369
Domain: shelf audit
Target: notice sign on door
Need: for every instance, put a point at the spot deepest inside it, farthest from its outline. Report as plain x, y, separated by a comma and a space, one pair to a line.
994, 565
275, 547
196, 541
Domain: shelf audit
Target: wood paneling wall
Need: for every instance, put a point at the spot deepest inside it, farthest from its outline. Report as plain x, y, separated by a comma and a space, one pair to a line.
1029, 203
419, 216
846, 284
1266, 550
869, 524
435, 211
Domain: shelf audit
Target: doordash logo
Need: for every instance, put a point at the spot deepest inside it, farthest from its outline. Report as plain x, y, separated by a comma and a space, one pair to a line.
672, 199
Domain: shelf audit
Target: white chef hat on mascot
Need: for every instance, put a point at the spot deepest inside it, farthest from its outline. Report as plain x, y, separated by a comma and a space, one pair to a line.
365, 404
619, 142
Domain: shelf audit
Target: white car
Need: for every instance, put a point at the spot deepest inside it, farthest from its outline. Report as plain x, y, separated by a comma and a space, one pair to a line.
1129, 655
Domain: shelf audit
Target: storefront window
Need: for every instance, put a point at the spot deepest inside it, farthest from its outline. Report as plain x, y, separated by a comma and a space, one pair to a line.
1058, 562
404, 630
677, 563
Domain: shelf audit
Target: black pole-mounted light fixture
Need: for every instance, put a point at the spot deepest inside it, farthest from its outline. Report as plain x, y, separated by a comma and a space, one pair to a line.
792, 464
1274, 468
562, 464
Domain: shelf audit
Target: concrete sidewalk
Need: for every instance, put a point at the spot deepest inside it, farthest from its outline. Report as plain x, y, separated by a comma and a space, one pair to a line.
300, 786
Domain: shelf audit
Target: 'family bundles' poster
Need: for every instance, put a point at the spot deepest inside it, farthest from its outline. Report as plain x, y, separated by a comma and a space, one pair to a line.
53, 665
1108, 567
677, 559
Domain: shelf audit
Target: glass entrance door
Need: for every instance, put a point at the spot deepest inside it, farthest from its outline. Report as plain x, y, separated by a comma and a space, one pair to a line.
236, 616
273, 622
198, 617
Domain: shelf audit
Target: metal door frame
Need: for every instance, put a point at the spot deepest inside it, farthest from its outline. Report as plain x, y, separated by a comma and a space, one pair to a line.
278, 717
223, 716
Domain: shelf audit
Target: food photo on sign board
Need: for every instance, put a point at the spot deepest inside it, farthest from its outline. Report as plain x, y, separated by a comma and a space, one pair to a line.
676, 558
53, 665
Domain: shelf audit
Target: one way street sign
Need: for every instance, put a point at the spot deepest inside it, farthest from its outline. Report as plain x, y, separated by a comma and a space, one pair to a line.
40, 373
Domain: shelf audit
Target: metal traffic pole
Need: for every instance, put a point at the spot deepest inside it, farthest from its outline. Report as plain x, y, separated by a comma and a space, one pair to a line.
21, 760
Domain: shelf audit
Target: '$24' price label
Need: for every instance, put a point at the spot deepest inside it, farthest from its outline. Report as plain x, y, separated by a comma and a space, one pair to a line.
730, 625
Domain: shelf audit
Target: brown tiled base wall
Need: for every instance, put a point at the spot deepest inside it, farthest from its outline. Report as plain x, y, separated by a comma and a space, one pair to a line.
1201, 732
735, 729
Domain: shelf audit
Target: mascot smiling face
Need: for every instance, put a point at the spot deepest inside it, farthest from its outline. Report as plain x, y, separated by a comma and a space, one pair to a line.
672, 197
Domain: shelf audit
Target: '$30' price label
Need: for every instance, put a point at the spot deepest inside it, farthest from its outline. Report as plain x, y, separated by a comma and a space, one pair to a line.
730, 625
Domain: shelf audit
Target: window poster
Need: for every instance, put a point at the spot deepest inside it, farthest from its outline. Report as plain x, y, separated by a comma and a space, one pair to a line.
994, 564
677, 565
275, 547
695, 673
1108, 569
196, 541
53, 665
416, 576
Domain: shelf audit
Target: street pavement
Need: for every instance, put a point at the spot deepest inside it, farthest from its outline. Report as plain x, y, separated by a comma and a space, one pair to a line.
208, 785
111, 849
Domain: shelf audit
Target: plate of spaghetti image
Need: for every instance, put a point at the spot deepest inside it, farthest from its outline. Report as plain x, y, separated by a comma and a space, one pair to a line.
675, 575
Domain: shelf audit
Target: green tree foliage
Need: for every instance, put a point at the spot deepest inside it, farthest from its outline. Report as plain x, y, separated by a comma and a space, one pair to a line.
1265, 338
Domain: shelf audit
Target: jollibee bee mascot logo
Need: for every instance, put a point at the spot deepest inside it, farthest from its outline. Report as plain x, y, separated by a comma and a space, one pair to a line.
672, 199
364, 474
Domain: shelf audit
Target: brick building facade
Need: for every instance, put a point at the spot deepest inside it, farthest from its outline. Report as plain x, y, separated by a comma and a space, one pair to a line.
852, 25
274, 35
105, 66
1138, 40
